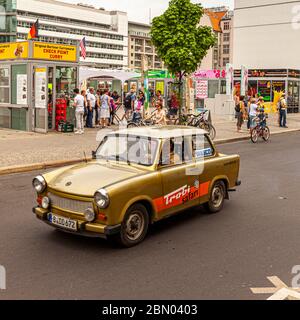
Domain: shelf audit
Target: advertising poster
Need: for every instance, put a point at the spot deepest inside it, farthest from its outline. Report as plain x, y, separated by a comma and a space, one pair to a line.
229, 79
40, 87
22, 89
201, 89
244, 80
160, 85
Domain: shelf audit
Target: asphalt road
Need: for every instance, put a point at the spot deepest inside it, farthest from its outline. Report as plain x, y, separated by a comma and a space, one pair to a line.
191, 256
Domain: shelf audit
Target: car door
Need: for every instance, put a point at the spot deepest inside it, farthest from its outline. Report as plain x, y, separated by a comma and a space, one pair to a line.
180, 187
205, 167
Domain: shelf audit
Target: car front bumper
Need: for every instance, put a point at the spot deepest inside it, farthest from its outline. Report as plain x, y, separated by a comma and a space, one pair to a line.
84, 228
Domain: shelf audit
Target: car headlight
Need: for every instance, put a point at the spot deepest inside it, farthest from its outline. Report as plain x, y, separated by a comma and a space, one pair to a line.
39, 184
102, 199
89, 215
45, 203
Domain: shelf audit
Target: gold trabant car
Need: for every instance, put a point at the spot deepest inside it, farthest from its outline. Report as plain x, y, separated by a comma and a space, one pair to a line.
137, 176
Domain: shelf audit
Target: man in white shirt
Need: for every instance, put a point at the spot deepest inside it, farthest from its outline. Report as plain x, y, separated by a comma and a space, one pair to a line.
79, 111
91, 104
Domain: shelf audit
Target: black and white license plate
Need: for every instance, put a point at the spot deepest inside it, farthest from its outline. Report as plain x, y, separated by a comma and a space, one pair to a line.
62, 222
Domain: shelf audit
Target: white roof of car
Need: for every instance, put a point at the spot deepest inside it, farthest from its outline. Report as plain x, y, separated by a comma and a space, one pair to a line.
162, 132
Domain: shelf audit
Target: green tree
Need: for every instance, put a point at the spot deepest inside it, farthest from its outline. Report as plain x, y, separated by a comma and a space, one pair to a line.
179, 39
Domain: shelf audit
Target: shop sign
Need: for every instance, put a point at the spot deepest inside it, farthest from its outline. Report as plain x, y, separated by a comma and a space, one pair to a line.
210, 74
14, 50
54, 52
201, 89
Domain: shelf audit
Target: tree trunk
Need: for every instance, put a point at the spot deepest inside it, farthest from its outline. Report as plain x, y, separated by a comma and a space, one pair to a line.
180, 97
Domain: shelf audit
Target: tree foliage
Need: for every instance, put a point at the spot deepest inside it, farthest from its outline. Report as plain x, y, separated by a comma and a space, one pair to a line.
179, 39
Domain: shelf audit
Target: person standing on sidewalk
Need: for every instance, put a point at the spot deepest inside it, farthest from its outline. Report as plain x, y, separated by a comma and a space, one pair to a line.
91, 103
240, 113
97, 109
282, 111
105, 109
79, 112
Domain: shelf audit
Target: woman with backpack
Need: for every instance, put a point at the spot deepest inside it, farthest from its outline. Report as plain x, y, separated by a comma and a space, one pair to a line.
241, 113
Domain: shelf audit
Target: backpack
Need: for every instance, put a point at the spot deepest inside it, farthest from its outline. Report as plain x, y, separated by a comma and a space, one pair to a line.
127, 101
237, 108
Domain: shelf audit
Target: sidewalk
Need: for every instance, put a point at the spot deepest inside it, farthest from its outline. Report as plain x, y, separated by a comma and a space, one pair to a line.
20, 149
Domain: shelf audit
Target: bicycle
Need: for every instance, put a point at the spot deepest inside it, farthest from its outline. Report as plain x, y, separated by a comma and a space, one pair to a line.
260, 130
140, 122
198, 121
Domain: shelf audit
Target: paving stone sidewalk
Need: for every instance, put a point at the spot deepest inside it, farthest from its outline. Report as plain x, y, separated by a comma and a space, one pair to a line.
25, 148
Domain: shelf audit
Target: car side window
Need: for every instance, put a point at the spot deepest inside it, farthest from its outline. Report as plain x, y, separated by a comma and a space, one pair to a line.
176, 151
202, 147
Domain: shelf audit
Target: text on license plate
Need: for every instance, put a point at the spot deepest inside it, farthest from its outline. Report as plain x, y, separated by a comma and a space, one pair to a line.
62, 222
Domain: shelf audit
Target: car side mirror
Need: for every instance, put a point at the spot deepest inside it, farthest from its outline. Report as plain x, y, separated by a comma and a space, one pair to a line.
94, 154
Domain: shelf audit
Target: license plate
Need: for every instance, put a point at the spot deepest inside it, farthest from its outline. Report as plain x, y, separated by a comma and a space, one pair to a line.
63, 222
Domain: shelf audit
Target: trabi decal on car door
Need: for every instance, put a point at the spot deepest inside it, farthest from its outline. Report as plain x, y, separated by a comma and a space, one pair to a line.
181, 196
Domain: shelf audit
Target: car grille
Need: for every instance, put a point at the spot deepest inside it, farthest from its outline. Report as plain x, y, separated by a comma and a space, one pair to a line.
69, 204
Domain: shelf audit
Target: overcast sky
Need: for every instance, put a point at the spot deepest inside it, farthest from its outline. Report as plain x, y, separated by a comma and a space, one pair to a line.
138, 10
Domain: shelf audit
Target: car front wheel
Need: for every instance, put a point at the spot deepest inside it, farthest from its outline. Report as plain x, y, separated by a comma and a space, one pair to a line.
134, 227
217, 198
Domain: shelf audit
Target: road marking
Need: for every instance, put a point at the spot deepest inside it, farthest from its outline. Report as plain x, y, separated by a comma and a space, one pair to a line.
279, 285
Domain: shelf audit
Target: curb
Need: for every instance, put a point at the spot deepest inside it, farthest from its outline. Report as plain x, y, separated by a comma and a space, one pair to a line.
61, 163
244, 138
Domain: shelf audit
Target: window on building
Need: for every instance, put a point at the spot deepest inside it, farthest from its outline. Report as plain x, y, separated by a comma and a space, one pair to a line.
226, 25
226, 49
226, 37
225, 61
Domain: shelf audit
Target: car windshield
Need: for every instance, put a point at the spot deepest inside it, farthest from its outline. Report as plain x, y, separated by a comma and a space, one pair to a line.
128, 148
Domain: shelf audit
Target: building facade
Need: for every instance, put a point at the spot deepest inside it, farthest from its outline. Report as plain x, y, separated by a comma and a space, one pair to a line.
220, 19
106, 32
141, 52
266, 33
265, 42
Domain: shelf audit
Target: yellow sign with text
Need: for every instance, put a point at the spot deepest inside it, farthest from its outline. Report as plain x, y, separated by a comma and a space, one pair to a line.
54, 52
14, 50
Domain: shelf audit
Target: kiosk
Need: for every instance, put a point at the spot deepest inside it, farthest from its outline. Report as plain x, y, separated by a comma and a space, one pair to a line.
37, 80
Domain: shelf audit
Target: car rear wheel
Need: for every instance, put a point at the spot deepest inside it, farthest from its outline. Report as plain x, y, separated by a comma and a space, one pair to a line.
217, 198
134, 227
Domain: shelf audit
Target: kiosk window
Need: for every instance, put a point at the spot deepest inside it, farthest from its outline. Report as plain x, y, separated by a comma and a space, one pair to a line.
4, 85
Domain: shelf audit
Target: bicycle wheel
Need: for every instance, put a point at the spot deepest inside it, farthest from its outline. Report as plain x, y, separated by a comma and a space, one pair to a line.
212, 132
132, 125
254, 135
266, 134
